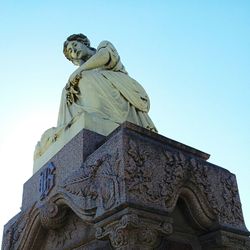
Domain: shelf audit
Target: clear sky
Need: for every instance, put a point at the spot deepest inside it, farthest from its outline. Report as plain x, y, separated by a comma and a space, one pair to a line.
192, 57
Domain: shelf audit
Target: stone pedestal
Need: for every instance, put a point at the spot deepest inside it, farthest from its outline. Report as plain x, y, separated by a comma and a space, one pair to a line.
131, 190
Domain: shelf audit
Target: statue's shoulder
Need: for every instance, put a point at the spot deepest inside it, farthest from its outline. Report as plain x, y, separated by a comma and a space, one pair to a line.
107, 45
114, 61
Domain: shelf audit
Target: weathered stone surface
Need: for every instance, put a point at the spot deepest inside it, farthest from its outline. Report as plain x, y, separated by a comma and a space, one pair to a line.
131, 190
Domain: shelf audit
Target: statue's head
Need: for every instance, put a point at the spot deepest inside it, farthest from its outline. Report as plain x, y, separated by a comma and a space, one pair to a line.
77, 38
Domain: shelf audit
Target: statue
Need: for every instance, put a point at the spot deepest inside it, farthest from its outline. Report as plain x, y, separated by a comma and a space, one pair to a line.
99, 95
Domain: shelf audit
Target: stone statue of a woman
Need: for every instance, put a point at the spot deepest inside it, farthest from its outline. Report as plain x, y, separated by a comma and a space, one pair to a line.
99, 95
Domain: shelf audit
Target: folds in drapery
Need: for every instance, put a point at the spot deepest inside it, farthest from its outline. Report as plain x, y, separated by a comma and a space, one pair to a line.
109, 95
105, 95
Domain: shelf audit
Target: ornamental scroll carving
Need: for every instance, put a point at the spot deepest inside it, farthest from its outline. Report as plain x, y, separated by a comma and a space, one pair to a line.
52, 216
132, 229
159, 175
95, 186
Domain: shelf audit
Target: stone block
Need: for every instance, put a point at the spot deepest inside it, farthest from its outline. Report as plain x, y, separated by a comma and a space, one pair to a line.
133, 189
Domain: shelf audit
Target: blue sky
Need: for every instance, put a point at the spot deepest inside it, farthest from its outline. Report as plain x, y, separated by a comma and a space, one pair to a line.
192, 57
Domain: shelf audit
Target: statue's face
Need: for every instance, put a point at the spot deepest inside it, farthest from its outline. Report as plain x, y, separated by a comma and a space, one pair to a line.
77, 51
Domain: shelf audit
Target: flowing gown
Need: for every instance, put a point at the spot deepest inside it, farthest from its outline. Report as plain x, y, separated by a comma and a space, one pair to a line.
108, 94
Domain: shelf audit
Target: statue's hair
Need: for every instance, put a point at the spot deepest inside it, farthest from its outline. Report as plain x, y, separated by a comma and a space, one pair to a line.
76, 37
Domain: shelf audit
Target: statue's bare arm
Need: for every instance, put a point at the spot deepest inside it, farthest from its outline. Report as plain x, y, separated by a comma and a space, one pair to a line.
99, 59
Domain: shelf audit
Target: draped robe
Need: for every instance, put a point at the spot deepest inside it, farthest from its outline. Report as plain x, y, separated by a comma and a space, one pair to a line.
104, 98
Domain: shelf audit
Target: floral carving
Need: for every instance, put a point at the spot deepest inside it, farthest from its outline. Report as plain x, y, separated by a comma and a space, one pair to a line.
158, 177
231, 209
72, 90
140, 172
154, 182
95, 185
160, 182
199, 174
175, 169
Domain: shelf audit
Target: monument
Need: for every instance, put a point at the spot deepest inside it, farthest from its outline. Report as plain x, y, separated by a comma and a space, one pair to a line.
105, 179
